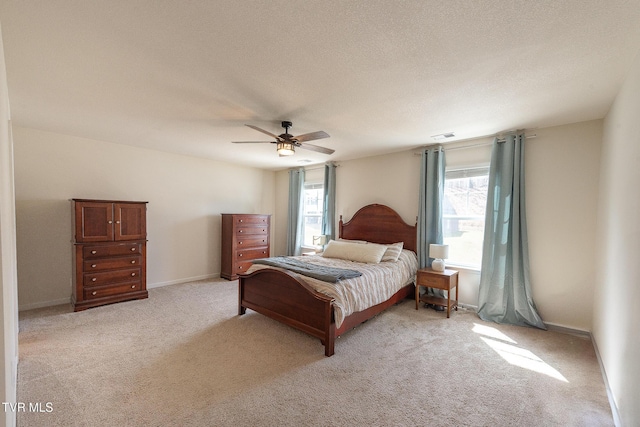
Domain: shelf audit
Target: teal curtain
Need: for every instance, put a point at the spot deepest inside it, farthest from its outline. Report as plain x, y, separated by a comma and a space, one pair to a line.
329, 207
505, 288
294, 224
430, 202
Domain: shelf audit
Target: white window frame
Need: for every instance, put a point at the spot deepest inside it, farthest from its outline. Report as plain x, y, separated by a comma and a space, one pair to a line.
458, 173
309, 186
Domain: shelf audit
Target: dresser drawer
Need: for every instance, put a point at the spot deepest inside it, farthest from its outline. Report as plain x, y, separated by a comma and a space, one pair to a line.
242, 231
105, 291
112, 263
432, 281
249, 254
242, 267
110, 277
124, 249
252, 242
252, 220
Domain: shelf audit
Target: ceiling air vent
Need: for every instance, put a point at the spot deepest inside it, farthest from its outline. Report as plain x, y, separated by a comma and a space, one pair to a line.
443, 136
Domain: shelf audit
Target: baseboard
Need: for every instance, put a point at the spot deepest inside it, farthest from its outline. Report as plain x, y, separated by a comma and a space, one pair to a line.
612, 402
186, 280
62, 301
568, 330
43, 304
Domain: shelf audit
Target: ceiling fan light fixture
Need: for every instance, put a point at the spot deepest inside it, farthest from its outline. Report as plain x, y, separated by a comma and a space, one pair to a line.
286, 149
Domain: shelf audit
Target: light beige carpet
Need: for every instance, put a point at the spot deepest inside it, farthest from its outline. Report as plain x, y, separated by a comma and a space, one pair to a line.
184, 357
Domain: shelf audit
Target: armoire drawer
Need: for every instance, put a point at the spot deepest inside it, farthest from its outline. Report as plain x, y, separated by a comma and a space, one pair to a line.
111, 250
249, 254
106, 291
111, 263
111, 277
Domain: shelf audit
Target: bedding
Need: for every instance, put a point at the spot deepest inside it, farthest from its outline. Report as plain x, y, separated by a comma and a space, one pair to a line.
320, 272
378, 282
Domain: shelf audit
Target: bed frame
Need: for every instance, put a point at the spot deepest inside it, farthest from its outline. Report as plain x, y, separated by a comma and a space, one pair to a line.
286, 297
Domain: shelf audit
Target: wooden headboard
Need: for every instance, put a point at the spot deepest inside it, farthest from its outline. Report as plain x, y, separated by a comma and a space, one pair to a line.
379, 224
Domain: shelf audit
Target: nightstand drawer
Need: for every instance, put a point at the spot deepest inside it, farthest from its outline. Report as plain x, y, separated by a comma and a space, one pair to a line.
432, 282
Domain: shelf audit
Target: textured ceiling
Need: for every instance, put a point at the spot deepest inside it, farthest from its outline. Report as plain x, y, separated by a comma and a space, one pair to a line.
378, 76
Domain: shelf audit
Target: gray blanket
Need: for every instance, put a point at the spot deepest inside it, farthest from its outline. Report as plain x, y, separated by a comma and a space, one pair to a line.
320, 272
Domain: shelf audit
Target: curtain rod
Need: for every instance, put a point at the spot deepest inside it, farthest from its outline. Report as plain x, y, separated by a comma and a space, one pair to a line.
479, 144
314, 167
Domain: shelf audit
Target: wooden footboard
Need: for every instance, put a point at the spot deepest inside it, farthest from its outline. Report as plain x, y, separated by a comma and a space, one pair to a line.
287, 298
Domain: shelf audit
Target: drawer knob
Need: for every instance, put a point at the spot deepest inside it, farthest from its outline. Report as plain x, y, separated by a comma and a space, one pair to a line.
133, 286
239, 243
94, 293
240, 231
133, 249
94, 279
264, 252
240, 255
94, 252
133, 274
133, 262
240, 220
110, 222
93, 266
117, 222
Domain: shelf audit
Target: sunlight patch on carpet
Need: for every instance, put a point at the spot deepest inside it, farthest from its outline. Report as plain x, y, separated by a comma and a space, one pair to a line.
514, 355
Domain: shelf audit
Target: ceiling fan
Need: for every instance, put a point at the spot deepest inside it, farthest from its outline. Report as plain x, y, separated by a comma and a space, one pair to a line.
286, 143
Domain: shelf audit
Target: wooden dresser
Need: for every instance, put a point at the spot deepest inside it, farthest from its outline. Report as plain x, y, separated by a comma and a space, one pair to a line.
244, 237
110, 252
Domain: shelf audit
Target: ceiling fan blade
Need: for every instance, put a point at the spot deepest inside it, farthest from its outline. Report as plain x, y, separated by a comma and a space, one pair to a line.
317, 148
266, 132
311, 136
252, 142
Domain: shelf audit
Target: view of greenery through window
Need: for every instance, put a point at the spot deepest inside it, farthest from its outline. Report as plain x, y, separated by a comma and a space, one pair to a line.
465, 199
312, 214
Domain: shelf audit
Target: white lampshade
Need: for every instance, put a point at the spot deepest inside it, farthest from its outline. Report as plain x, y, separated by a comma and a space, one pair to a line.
438, 251
320, 240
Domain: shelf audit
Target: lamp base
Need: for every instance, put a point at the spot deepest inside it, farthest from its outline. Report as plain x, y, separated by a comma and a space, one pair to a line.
437, 265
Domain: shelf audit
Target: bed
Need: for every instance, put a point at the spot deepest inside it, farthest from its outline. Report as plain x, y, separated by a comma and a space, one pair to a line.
291, 298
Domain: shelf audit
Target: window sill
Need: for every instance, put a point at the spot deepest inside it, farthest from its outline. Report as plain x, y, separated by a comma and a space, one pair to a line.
475, 270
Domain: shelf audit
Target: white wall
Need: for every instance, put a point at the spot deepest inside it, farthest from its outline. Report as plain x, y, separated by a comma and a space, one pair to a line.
186, 196
562, 165
8, 264
617, 297
562, 179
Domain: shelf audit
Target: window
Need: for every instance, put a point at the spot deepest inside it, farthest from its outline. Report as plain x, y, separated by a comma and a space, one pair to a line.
312, 212
465, 200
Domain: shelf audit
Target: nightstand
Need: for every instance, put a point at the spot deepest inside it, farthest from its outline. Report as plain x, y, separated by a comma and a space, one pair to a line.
445, 280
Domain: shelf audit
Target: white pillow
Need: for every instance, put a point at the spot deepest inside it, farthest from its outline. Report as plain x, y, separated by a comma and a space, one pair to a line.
393, 252
370, 253
362, 242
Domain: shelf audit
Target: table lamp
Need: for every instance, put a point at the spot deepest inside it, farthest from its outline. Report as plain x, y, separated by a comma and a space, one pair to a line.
439, 253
